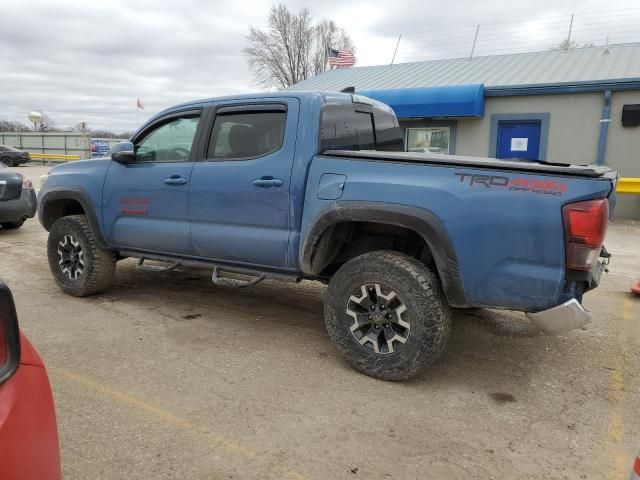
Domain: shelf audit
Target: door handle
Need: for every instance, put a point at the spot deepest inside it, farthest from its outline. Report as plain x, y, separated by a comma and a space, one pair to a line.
175, 180
267, 182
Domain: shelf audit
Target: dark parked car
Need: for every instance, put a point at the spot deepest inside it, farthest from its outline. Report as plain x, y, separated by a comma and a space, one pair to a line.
17, 199
12, 157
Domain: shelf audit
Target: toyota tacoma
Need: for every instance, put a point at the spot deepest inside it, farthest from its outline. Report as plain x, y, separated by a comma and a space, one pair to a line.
315, 186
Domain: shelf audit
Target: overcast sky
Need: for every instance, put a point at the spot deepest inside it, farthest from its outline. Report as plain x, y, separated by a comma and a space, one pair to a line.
82, 60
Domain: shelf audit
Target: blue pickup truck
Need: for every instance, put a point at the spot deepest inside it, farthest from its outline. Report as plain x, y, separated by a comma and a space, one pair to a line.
315, 186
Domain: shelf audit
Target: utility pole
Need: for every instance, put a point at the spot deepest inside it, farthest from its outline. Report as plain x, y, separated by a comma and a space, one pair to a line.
396, 50
475, 39
569, 35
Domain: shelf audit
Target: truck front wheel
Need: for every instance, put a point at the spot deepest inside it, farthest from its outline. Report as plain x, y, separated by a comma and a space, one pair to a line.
387, 314
79, 265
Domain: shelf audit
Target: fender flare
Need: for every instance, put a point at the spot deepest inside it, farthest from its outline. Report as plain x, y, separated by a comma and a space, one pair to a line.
79, 195
421, 221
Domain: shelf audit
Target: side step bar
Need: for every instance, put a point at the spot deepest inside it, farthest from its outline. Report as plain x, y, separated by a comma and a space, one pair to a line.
218, 270
155, 268
234, 282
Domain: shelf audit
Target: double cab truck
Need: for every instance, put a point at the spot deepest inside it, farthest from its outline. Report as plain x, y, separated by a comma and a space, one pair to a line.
316, 186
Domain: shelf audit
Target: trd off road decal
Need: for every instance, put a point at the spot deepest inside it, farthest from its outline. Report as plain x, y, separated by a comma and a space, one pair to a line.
132, 205
518, 184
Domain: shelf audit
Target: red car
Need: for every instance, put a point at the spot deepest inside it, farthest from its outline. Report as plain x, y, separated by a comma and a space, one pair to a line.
29, 447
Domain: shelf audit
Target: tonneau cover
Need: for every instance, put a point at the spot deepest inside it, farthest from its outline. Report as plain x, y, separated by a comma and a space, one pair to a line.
591, 171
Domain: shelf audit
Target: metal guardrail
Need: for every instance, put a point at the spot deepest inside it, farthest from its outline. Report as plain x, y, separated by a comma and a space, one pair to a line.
628, 185
54, 156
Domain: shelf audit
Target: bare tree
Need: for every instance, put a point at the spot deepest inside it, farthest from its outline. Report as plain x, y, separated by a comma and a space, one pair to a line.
568, 44
292, 48
328, 35
81, 127
104, 134
13, 126
47, 124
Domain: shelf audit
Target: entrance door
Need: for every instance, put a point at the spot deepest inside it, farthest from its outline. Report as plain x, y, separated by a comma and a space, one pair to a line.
519, 139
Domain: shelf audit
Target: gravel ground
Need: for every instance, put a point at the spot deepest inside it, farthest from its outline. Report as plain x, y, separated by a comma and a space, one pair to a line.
166, 376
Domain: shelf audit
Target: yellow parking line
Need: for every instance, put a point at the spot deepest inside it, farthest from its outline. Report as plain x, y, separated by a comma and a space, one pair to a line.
617, 385
131, 401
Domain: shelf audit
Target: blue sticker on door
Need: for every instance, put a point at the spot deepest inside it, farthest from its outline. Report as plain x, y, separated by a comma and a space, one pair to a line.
519, 139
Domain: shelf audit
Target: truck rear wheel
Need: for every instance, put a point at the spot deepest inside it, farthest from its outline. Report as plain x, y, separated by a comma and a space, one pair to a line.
387, 314
79, 265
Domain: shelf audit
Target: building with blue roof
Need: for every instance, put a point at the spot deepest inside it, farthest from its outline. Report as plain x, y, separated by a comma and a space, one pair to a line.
580, 105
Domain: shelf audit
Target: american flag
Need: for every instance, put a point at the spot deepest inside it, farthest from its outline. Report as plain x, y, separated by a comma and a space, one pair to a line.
139, 104
341, 58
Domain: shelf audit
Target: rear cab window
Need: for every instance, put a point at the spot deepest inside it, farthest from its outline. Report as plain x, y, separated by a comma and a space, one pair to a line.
359, 127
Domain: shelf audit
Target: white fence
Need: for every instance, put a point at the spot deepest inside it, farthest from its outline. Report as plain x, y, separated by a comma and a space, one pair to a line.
60, 143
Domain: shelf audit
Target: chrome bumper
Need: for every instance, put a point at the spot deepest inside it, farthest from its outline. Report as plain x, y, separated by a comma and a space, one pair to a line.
561, 319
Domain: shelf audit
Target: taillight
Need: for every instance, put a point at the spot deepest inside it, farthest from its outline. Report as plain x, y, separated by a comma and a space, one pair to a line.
585, 225
9, 334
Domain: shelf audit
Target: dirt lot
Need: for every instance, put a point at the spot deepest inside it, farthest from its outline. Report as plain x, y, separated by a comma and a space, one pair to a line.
166, 376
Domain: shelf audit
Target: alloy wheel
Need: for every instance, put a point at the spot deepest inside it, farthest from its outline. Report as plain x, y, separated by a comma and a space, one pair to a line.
378, 318
71, 257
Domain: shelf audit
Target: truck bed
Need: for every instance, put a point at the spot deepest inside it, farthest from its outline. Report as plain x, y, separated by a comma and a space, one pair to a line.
503, 218
560, 169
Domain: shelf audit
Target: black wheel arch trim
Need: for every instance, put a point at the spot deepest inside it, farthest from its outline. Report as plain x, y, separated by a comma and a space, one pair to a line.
421, 221
81, 196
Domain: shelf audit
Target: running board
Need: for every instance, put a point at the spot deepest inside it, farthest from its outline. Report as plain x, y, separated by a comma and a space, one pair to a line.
155, 268
174, 262
233, 282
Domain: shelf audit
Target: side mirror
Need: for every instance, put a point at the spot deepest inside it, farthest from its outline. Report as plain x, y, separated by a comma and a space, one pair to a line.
123, 152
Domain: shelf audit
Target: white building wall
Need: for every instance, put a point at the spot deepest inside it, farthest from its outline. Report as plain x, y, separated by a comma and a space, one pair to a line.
574, 130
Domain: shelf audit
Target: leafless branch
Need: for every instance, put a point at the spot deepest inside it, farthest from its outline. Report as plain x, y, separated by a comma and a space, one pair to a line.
292, 48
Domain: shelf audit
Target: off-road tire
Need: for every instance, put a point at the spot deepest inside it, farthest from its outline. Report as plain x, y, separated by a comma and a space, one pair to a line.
6, 161
12, 225
99, 264
427, 312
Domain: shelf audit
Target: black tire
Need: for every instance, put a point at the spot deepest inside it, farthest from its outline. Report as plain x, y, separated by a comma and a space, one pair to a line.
427, 313
12, 225
7, 161
98, 264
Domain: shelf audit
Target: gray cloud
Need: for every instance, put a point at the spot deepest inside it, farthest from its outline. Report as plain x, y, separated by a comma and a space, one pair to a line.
89, 61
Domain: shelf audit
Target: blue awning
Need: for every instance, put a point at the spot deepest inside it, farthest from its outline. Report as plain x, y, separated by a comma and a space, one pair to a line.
449, 101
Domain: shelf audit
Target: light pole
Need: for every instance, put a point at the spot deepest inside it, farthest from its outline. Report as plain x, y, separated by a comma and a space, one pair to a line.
35, 118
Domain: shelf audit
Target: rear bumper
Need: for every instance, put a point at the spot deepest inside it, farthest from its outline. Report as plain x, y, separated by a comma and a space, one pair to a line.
20, 208
561, 319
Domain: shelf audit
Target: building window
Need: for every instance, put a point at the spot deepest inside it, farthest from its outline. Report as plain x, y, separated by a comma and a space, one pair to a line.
428, 140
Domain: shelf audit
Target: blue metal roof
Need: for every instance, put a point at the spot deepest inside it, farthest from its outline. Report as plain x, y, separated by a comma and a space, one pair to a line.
448, 101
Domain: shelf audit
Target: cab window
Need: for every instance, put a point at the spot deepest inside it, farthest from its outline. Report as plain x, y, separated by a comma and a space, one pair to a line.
169, 142
246, 135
